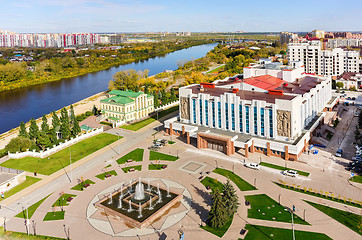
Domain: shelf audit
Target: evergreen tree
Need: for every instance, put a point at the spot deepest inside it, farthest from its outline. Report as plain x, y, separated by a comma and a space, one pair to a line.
230, 199
146, 91
217, 215
72, 115
64, 118
43, 141
22, 131
44, 124
53, 136
76, 129
65, 130
55, 120
173, 95
33, 129
94, 110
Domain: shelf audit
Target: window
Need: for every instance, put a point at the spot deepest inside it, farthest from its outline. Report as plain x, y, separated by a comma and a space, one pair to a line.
219, 113
213, 114
255, 120
194, 109
247, 119
262, 121
271, 123
200, 107
232, 117
241, 117
227, 116
207, 112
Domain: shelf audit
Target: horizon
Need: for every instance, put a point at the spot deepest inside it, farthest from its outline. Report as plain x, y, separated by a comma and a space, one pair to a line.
109, 16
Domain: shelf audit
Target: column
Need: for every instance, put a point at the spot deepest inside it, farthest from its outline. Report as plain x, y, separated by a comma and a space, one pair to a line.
286, 153
246, 147
188, 137
171, 130
268, 151
183, 130
252, 148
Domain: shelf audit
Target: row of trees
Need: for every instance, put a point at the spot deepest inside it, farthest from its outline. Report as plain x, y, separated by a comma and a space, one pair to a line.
224, 206
65, 127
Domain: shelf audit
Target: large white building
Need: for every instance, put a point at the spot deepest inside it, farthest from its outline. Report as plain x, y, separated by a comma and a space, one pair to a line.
323, 62
270, 112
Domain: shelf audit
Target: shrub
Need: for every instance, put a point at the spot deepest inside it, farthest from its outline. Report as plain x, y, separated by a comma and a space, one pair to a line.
88, 113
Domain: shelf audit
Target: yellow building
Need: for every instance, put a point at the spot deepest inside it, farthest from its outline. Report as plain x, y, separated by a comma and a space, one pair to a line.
127, 105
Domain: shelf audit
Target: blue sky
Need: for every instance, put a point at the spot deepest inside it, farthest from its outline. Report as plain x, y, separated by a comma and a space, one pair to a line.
167, 15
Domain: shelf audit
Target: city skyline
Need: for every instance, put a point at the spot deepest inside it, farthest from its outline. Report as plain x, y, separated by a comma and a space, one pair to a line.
161, 16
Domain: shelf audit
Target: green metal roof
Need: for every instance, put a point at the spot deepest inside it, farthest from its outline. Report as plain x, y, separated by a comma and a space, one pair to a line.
85, 127
125, 93
118, 99
113, 118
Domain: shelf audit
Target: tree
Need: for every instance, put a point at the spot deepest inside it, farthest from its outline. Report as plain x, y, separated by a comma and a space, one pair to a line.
95, 110
126, 79
217, 215
53, 136
230, 198
76, 129
33, 129
55, 120
64, 118
339, 85
72, 115
65, 130
173, 95
19, 144
22, 131
43, 141
44, 124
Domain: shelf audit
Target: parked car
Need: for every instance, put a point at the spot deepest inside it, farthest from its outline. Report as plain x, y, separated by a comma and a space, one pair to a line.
356, 114
290, 173
252, 165
359, 107
357, 158
355, 169
154, 148
339, 153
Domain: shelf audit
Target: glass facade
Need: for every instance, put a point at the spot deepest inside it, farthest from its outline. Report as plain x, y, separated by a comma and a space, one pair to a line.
262, 122
201, 121
227, 116
213, 114
255, 120
194, 110
271, 123
207, 112
247, 109
232, 117
241, 117
219, 114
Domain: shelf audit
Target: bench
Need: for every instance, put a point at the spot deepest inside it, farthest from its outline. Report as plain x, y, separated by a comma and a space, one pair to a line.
108, 175
164, 166
129, 160
131, 170
69, 199
86, 185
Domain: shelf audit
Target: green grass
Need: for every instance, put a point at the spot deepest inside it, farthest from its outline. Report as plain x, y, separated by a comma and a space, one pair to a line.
102, 176
61, 159
31, 209
138, 125
335, 199
216, 70
156, 166
2, 152
241, 183
257, 232
79, 186
161, 156
109, 165
171, 142
50, 216
213, 183
28, 181
135, 155
350, 220
306, 174
62, 200
136, 168
357, 179
262, 203
219, 231
19, 235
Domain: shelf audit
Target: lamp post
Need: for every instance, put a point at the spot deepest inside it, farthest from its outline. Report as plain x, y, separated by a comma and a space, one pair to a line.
27, 215
216, 163
291, 213
279, 198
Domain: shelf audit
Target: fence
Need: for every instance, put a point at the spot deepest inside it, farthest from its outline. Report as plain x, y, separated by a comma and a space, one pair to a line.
49, 151
175, 103
19, 177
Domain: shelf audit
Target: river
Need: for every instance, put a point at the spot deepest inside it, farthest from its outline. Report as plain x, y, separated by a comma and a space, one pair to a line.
34, 101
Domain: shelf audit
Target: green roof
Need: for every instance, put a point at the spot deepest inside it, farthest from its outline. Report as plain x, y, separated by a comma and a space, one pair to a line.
113, 118
118, 99
125, 93
85, 127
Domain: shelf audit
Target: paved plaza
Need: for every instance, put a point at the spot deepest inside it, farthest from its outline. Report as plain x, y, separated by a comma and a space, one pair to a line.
84, 221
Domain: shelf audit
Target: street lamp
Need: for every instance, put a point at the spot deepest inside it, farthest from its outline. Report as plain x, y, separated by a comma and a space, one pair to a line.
27, 215
291, 213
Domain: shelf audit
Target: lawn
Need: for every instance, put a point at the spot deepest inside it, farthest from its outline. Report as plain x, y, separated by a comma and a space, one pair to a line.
267, 233
31, 209
60, 159
318, 194
135, 155
28, 181
102, 176
213, 183
219, 231
350, 220
357, 179
136, 168
138, 125
162, 156
265, 208
50, 216
20, 235
216, 70
241, 183
156, 166
62, 200
171, 142
283, 168
79, 186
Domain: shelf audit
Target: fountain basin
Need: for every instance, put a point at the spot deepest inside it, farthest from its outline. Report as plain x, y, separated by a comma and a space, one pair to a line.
133, 218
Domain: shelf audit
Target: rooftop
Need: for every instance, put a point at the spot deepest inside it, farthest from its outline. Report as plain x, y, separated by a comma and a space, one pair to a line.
301, 85
265, 82
125, 93
118, 99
